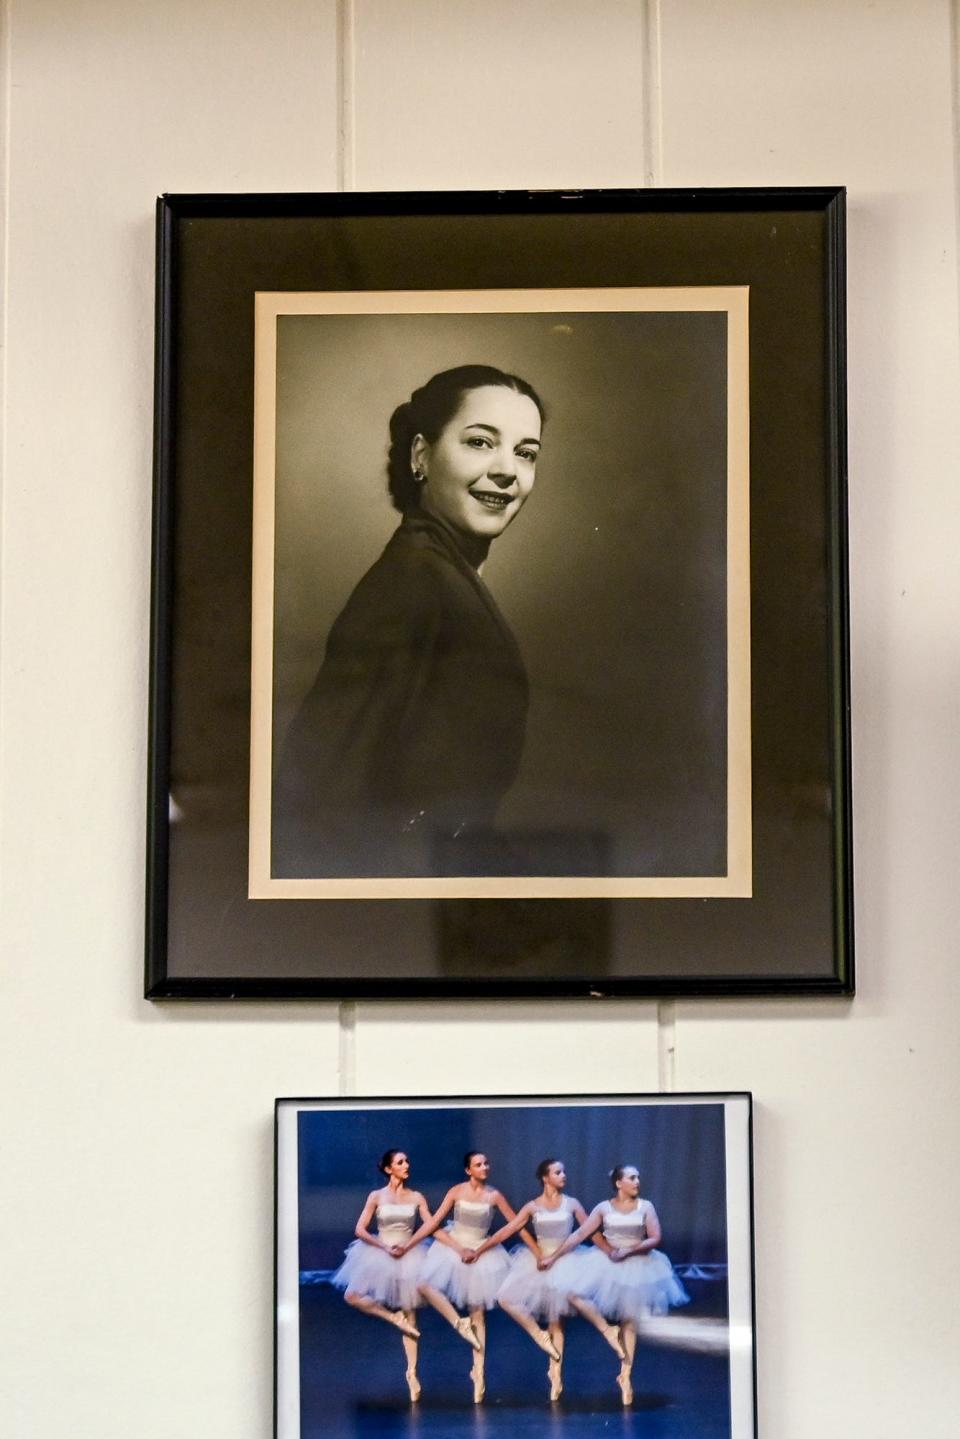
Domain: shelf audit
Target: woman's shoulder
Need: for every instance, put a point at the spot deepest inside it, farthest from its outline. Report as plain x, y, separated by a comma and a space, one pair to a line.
406, 583
405, 561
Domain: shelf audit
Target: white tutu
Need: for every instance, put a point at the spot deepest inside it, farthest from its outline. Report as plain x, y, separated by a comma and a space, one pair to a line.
544, 1293
634, 1288
377, 1275
467, 1286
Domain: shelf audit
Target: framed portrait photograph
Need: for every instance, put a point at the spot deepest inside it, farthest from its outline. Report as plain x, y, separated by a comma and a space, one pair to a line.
556, 1267
499, 623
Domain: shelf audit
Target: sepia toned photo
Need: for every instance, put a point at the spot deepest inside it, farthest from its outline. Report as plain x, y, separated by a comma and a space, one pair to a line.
501, 595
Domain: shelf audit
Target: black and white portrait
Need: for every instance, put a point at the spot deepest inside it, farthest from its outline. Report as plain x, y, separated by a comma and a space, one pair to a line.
501, 605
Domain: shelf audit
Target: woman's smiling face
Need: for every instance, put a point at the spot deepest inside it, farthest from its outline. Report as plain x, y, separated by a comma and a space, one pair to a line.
481, 467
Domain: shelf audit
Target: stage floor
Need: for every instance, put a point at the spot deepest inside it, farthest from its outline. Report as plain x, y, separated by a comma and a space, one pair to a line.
353, 1387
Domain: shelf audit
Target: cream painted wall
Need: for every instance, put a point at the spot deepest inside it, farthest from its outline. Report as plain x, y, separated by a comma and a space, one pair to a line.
136, 1138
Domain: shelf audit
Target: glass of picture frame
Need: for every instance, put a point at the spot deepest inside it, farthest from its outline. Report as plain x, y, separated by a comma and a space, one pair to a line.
652, 1320
408, 741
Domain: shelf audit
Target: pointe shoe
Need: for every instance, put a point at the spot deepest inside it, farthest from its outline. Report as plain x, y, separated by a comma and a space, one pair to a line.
479, 1385
466, 1331
555, 1375
612, 1335
542, 1338
626, 1388
413, 1384
403, 1324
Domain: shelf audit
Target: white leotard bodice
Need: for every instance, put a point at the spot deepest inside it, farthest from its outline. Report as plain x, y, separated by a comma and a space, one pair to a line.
395, 1222
622, 1231
471, 1222
553, 1226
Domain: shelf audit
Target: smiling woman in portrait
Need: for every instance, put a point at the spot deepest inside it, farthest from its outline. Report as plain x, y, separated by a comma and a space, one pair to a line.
413, 730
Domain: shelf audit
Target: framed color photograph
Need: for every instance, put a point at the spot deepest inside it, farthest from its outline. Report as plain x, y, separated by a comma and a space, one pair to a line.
552, 1267
499, 596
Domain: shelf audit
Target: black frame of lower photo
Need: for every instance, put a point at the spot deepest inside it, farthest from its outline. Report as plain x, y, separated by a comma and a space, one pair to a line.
544, 1265
608, 754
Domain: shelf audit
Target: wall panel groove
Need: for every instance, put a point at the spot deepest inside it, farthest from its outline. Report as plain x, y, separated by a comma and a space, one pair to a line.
955, 118
346, 96
5, 117
652, 94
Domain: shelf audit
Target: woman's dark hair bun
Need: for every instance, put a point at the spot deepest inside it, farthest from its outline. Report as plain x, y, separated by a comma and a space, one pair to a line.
428, 410
544, 1167
387, 1158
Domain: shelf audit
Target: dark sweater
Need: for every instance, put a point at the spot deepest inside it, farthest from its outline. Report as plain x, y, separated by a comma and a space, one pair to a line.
413, 730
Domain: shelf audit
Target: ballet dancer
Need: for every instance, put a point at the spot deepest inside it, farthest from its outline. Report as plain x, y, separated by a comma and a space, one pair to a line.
380, 1272
632, 1280
529, 1292
455, 1276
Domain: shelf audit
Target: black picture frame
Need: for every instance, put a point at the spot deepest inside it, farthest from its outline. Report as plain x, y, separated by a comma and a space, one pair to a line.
790, 929
695, 1357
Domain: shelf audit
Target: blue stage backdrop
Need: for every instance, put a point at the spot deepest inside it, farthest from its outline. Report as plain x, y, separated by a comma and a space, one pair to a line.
679, 1150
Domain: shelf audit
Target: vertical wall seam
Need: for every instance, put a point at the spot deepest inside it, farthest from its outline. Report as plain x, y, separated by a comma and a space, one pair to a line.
954, 23
346, 96
652, 112
347, 1048
6, 87
667, 1046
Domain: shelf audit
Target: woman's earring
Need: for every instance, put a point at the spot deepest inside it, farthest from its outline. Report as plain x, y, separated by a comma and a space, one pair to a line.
418, 477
